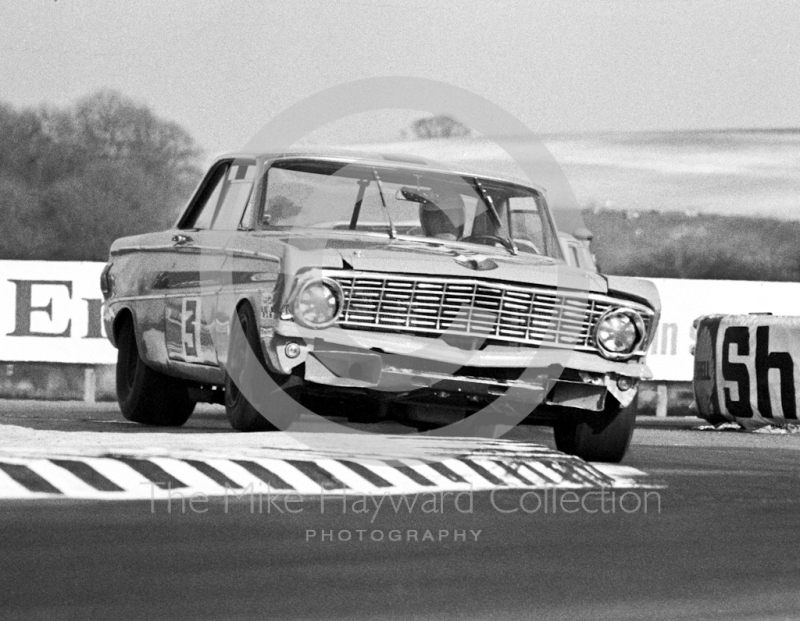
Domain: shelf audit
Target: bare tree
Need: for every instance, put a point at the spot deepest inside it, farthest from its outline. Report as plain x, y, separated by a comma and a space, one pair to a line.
439, 126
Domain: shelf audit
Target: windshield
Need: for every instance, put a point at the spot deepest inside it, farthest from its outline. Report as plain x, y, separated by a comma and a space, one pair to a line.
433, 206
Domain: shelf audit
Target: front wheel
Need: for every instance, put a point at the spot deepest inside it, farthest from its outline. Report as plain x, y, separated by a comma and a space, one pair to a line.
146, 396
245, 362
601, 436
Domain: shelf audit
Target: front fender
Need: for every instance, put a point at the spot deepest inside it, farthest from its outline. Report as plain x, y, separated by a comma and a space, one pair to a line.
639, 290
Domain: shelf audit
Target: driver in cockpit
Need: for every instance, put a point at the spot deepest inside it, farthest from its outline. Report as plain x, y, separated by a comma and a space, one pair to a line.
442, 217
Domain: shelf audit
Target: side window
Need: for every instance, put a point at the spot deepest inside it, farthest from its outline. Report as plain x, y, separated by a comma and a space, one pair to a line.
526, 221
204, 208
576, 261
230, 212
297, 198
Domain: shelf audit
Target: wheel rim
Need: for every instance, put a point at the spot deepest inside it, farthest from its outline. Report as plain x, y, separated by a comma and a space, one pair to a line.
237, 363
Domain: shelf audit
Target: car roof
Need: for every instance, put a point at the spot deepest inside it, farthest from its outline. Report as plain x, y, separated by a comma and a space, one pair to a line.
371, 158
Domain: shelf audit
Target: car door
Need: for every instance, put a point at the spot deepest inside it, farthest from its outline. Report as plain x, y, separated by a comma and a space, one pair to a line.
251, 267
195, 279
210, 234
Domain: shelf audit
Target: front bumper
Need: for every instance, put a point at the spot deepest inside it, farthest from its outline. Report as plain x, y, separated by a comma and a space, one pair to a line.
411, 369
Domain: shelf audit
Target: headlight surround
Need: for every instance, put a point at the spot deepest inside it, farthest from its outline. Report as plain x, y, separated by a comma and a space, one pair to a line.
317, 303
619, 333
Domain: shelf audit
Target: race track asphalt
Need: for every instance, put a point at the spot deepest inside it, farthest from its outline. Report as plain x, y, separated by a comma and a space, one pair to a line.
719, 540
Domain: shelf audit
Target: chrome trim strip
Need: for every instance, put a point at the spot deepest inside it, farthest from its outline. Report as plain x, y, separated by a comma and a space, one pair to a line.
206, 250
182, 294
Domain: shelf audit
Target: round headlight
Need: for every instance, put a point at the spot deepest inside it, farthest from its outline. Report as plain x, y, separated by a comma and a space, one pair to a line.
619, 332
318, 303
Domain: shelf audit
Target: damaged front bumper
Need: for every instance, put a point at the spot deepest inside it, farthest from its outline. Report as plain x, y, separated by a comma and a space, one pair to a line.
403, 368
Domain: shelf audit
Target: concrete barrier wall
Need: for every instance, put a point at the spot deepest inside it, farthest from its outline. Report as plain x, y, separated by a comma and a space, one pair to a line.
746, 369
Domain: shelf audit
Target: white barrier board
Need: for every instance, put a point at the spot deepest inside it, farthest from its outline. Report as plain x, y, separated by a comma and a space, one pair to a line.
683, 301
51, 312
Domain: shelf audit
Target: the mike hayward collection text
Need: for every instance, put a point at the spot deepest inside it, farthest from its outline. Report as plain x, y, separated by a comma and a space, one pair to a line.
267, 501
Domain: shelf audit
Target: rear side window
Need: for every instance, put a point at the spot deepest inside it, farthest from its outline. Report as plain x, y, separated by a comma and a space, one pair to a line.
230, 212
573, 249
224, 199
205, 207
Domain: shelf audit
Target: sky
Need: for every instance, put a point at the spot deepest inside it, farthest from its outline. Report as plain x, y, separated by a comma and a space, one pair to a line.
224, 69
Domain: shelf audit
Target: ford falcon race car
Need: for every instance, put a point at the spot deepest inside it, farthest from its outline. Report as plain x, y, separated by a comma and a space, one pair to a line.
385, 282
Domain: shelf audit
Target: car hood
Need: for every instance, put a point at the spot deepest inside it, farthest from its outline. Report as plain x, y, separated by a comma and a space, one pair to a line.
431, 258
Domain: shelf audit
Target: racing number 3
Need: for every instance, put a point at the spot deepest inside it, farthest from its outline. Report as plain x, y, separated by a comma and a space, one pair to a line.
190, 332
738, 373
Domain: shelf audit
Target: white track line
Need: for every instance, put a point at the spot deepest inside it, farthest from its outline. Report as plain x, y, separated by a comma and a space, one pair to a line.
236, 473
190, 475
424, 470
617, 470
547, 474
474, 479
400, 481
349, 477
299, 481
9, 488
505, 476
58, 477
122, 475
539, 474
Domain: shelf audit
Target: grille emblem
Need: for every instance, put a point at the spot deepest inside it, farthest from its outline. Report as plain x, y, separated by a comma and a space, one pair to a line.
476, 262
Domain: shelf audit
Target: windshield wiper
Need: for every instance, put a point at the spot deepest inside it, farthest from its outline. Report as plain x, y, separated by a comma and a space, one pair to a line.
508, 242
392, 230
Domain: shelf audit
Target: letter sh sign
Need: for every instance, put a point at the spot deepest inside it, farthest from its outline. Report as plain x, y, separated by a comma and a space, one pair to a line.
52, 312
746, 368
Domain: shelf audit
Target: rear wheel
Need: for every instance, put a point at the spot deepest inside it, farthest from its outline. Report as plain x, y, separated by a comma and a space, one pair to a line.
242, 415
146, 396
602, 436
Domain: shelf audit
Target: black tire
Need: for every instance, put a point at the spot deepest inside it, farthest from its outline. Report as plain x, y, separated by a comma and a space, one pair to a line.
241, 414
146, 396
602, 436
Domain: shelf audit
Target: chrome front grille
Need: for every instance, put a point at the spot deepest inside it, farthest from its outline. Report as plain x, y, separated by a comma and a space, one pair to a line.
494, 311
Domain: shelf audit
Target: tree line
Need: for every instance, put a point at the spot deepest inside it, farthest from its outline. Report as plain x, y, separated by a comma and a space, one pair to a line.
705, 247
73, 179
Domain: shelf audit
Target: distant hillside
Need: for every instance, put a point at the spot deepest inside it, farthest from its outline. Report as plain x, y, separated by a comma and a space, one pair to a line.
733, 172
672, 245
722, 204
